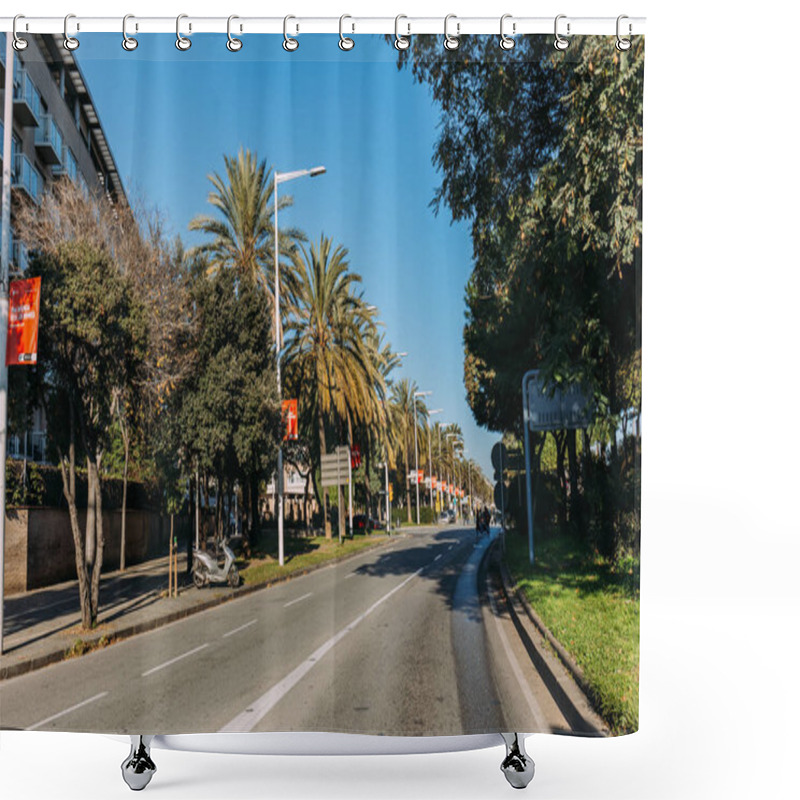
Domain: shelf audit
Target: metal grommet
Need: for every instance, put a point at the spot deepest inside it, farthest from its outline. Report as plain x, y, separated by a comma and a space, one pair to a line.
70, 42
401, 42
560, 43
345, 42
506, 42
623, 44
233, 44
451, 42
18, 42
128, 42
289, 44
181, 42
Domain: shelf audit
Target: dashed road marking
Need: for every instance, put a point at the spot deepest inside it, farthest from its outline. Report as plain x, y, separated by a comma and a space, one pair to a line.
240, 628
297, 600
67, 711
173, 660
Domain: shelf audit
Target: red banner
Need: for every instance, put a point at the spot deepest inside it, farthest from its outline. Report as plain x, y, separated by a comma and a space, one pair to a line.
289, 410
22, 345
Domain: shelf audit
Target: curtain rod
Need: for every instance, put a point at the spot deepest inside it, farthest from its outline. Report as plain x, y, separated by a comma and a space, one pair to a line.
351, 25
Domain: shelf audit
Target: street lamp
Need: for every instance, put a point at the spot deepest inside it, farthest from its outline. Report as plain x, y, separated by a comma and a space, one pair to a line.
430, 460
282, 177
455, 463
416, 448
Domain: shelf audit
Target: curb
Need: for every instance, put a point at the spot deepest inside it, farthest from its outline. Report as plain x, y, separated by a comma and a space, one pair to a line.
45, 660
566, 659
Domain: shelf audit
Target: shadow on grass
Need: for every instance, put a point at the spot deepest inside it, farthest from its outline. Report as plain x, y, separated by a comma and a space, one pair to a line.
570, 563
265, 545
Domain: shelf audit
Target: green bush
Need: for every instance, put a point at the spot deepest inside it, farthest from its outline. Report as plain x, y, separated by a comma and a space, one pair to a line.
24, 483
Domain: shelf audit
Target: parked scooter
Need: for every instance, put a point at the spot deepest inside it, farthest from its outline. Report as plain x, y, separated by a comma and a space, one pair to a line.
206, 568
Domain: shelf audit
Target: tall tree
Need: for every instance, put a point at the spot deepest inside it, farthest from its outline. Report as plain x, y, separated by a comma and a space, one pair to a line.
331, 365
225, 411
92, 338
243, 233
408, 412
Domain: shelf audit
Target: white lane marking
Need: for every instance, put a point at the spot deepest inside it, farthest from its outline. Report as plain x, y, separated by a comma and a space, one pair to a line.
240, 628
351, 575
173, 660
255, 712
536, 710
438, 557
297, 600
67, 711
450, 548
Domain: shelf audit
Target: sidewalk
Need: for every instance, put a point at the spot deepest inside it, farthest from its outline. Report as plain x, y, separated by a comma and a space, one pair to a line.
43, 626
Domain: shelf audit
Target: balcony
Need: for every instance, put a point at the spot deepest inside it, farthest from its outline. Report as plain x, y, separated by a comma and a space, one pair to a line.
48, 141
19, 255
27, 102
25, 178
67, 166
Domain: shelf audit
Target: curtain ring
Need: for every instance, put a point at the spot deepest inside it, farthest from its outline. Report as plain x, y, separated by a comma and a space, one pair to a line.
560, 43
345, 42
70, 42
181, 42
128, 42
623, 44
19, 43
401, 42
289, 44
233, 44
506, 42
451, 42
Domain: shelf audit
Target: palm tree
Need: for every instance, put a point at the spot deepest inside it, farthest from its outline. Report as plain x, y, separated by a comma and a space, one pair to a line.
407, 410
330, 357
243, 231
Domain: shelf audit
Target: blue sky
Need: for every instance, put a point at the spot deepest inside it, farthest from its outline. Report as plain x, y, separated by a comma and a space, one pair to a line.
169, 117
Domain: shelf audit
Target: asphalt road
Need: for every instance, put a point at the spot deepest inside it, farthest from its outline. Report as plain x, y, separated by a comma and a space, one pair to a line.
404, 640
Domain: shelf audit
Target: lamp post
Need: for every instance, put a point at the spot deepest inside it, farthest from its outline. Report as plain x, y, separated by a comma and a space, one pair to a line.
282, 177
430, 460
4, 259
455, 463
416, 447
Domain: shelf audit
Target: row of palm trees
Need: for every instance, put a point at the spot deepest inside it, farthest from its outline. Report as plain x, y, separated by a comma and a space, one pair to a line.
335, 358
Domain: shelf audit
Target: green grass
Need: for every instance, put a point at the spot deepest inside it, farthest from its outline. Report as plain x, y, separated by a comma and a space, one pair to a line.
591, 606
300, 554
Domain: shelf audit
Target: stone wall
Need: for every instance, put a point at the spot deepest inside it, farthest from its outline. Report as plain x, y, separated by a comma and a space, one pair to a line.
39, 549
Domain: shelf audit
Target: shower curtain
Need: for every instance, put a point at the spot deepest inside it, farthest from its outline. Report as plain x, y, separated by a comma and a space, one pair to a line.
334, 422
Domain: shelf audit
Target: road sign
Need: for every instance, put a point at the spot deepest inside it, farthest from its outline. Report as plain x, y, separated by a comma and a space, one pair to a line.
501, 496
355, 456
336, 467
499, 456
549, 408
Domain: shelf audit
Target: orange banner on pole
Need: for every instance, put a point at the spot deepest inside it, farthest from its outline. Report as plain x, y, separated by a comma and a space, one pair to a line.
289, 408
22, 345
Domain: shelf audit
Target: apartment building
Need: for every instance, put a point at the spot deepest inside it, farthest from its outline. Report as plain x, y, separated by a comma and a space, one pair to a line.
56, 134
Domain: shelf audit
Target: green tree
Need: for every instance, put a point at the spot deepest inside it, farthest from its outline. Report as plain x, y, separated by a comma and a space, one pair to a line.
406, 412
224, 414
91, 342
550, 179
331, 364
243, 234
